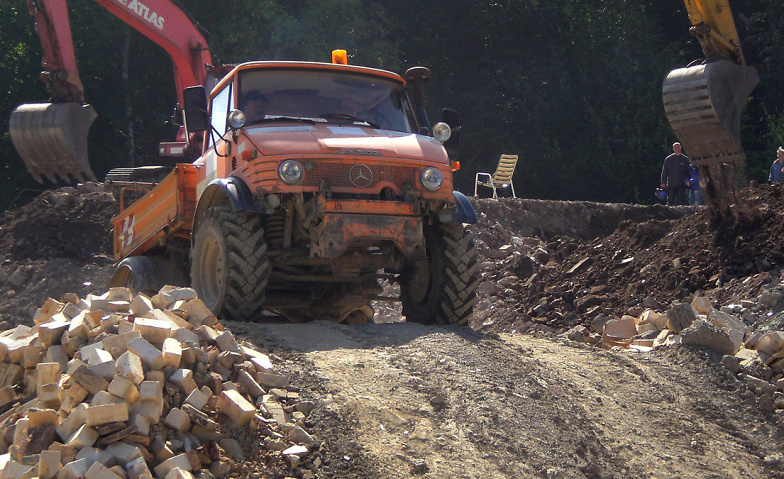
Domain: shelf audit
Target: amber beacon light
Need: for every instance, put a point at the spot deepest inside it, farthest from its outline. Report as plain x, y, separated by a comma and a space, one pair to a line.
340, 57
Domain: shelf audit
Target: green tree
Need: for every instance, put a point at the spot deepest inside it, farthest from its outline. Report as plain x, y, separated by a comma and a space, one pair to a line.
572, 86
20, 64
761, 27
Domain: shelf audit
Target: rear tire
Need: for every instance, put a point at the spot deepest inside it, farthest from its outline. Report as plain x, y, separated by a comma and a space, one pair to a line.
229, 268
146, 274
442, 288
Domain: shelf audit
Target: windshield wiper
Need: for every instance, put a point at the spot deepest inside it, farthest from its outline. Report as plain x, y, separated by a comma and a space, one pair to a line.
351, 118
271, 119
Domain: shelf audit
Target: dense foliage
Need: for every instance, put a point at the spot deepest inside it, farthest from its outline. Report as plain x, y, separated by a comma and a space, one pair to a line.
572, 86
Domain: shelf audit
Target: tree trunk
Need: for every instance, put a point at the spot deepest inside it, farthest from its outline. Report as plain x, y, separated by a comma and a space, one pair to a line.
125, 55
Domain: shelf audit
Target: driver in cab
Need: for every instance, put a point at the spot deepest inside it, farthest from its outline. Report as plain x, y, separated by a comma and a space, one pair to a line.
349, 107
254, 105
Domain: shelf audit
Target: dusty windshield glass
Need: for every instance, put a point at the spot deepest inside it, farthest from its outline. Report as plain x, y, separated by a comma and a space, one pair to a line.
269, 95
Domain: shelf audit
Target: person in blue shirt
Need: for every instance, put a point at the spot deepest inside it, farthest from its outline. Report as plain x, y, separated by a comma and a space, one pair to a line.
695, 190
776, 175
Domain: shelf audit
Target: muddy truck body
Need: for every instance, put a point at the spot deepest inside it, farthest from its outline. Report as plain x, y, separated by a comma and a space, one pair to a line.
300, 187
303, 210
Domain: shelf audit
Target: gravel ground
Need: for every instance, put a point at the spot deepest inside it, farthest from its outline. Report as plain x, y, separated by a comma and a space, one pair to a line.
507, 397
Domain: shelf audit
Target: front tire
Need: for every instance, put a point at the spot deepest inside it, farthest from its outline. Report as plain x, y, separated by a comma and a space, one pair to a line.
442, 288
229, 268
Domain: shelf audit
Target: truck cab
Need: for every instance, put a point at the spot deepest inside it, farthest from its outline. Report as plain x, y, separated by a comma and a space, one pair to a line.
319, 121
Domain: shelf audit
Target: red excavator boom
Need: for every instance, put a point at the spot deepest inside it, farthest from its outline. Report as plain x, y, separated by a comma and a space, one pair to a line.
51, 137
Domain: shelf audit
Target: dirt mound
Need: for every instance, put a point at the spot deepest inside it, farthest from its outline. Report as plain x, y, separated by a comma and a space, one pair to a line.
560, 279
60, 242
502, 219
65, 223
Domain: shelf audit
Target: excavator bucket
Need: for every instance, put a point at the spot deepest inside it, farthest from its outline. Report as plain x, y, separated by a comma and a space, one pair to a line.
51, 138
703, 104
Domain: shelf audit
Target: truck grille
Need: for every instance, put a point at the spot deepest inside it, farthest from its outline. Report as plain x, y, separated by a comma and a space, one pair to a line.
358, 175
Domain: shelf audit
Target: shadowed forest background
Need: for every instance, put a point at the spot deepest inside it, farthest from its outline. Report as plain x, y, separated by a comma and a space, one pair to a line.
571, 86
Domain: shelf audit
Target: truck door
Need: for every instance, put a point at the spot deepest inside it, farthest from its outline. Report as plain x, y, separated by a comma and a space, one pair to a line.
216, 159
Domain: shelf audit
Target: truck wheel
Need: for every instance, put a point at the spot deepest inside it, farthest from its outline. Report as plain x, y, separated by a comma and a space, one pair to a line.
229, 268
442, 288
144, 274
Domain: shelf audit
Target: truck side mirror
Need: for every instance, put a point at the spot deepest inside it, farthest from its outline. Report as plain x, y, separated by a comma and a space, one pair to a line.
451, 118
417, 77
196, 116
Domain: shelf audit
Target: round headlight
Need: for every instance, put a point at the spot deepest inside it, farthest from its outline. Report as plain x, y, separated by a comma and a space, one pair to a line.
236, 119
441, 131
290, 171
432, 178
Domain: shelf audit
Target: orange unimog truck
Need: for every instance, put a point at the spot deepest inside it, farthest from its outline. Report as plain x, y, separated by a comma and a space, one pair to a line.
315, 181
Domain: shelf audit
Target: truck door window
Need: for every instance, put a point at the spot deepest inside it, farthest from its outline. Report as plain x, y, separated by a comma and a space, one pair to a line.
219, 112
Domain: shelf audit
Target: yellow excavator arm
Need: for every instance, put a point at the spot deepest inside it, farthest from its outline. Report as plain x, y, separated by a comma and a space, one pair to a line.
714, 27
703, 102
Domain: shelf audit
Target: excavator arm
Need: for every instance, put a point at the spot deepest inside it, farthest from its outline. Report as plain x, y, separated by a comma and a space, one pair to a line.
51, 137
703, 102
714, 27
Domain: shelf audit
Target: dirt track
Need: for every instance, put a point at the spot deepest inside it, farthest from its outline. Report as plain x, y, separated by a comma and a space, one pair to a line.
402, 399
406, 400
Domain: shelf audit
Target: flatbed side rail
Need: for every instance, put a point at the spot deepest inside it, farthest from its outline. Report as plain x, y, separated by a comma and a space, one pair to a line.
164, 213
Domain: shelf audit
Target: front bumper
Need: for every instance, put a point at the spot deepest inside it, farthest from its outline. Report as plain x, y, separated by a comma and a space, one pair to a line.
340, 231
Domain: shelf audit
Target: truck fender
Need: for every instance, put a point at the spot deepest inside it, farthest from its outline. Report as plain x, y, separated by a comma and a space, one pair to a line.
224, 192
463, 212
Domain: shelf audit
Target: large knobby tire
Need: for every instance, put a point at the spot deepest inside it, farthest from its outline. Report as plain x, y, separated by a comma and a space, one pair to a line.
442, 288
147, 274
229, 268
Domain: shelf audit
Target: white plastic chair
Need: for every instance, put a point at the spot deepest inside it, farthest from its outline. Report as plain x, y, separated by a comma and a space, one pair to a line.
502, 178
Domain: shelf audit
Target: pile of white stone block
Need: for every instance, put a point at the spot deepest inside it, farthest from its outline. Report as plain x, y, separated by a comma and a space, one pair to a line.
132, 387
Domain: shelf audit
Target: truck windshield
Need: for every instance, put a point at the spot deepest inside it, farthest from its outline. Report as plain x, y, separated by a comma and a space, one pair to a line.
324, 96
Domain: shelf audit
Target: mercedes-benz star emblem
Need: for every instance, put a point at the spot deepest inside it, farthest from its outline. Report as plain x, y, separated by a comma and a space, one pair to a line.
360, 175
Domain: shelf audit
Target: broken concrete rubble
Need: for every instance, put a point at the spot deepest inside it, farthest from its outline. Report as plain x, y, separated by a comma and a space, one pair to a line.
125, 386
757, 357
703, 333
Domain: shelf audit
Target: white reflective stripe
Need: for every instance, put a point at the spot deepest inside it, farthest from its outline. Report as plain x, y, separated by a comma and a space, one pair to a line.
241, 147
347, 130
210, 171
395, 133
276, 129
126, 234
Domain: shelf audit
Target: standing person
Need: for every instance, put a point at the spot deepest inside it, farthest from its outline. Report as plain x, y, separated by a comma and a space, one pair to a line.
674, 174
693, 182
776, 175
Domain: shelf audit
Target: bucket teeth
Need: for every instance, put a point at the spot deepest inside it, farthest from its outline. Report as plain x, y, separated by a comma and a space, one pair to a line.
51, 138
